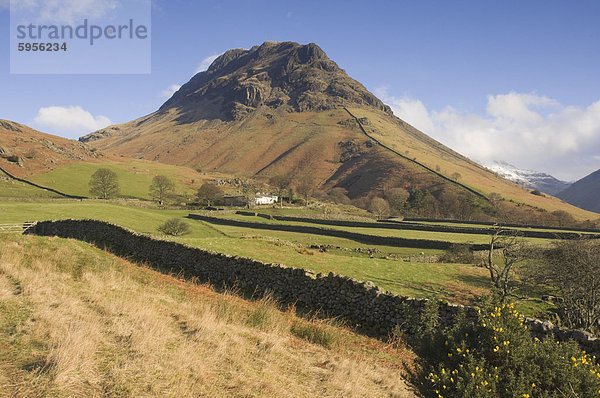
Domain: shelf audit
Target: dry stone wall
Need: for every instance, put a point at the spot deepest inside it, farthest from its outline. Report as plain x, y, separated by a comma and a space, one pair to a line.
374, 310
401, 225
374, 239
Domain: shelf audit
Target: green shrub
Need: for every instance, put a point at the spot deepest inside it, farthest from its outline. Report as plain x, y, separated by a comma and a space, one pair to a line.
458, 253
174, 227
496, 357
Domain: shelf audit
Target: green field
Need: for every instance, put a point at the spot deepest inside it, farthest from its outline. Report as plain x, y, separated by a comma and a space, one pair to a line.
400, 233
454, 282
134, 176
20, 190
466, 224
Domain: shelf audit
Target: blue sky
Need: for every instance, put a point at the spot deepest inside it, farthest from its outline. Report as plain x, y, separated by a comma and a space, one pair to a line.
508, 80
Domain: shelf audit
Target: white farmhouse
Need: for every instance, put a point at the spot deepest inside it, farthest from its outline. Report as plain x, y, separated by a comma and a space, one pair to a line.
265, 199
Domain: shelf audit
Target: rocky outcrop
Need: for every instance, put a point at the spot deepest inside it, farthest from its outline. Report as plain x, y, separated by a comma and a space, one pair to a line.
96, 135
11, 126
274, 74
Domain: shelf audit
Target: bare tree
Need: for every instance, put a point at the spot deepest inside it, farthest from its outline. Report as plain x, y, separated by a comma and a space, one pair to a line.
380, 207
505, 253
161, 187
249, 189
281, 183
305, 188
396, 198
573, 268
104, 183
339, 195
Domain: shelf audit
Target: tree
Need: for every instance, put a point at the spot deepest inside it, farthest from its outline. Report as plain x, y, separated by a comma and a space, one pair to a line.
104, 183
396, 198
249, 189
281, 183
456, 176
209, 193
512, 251
306, 188
450, 204
563, 219
160, 188
380, 207
573, 268
495, 198
174, 227
339, 195
421, 203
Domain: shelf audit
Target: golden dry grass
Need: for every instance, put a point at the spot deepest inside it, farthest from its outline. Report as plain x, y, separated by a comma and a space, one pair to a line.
78, 322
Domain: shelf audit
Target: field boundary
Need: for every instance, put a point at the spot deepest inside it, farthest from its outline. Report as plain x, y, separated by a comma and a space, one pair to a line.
401, 225
374, 239
41, 187
452, 221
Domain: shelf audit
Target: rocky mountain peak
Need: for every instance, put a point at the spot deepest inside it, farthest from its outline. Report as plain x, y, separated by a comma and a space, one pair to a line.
273, 74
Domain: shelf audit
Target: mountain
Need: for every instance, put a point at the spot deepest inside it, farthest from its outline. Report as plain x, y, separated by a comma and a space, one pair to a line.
584, 193
529, 178
282, 108
274, 109
25, 151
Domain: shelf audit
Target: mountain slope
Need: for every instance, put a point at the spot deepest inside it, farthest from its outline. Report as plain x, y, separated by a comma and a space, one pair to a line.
529, 178
584, 193
282, 108
25, 151
67, 165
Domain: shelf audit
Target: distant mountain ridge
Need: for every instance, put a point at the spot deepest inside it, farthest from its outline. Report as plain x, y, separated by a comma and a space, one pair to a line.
528, 178
584, 193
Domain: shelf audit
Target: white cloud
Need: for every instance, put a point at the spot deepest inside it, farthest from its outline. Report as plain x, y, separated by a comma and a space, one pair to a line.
66, 11
526, 129
70, 122
168, 92
206, 63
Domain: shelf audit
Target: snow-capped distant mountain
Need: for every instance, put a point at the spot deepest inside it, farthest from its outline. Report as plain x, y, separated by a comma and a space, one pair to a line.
529, 178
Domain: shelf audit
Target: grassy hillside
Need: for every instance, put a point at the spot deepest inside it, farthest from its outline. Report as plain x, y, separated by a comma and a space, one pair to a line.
134, 176
412, 143
75, 321
326, 146
15, 189
25, 151
67, 165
